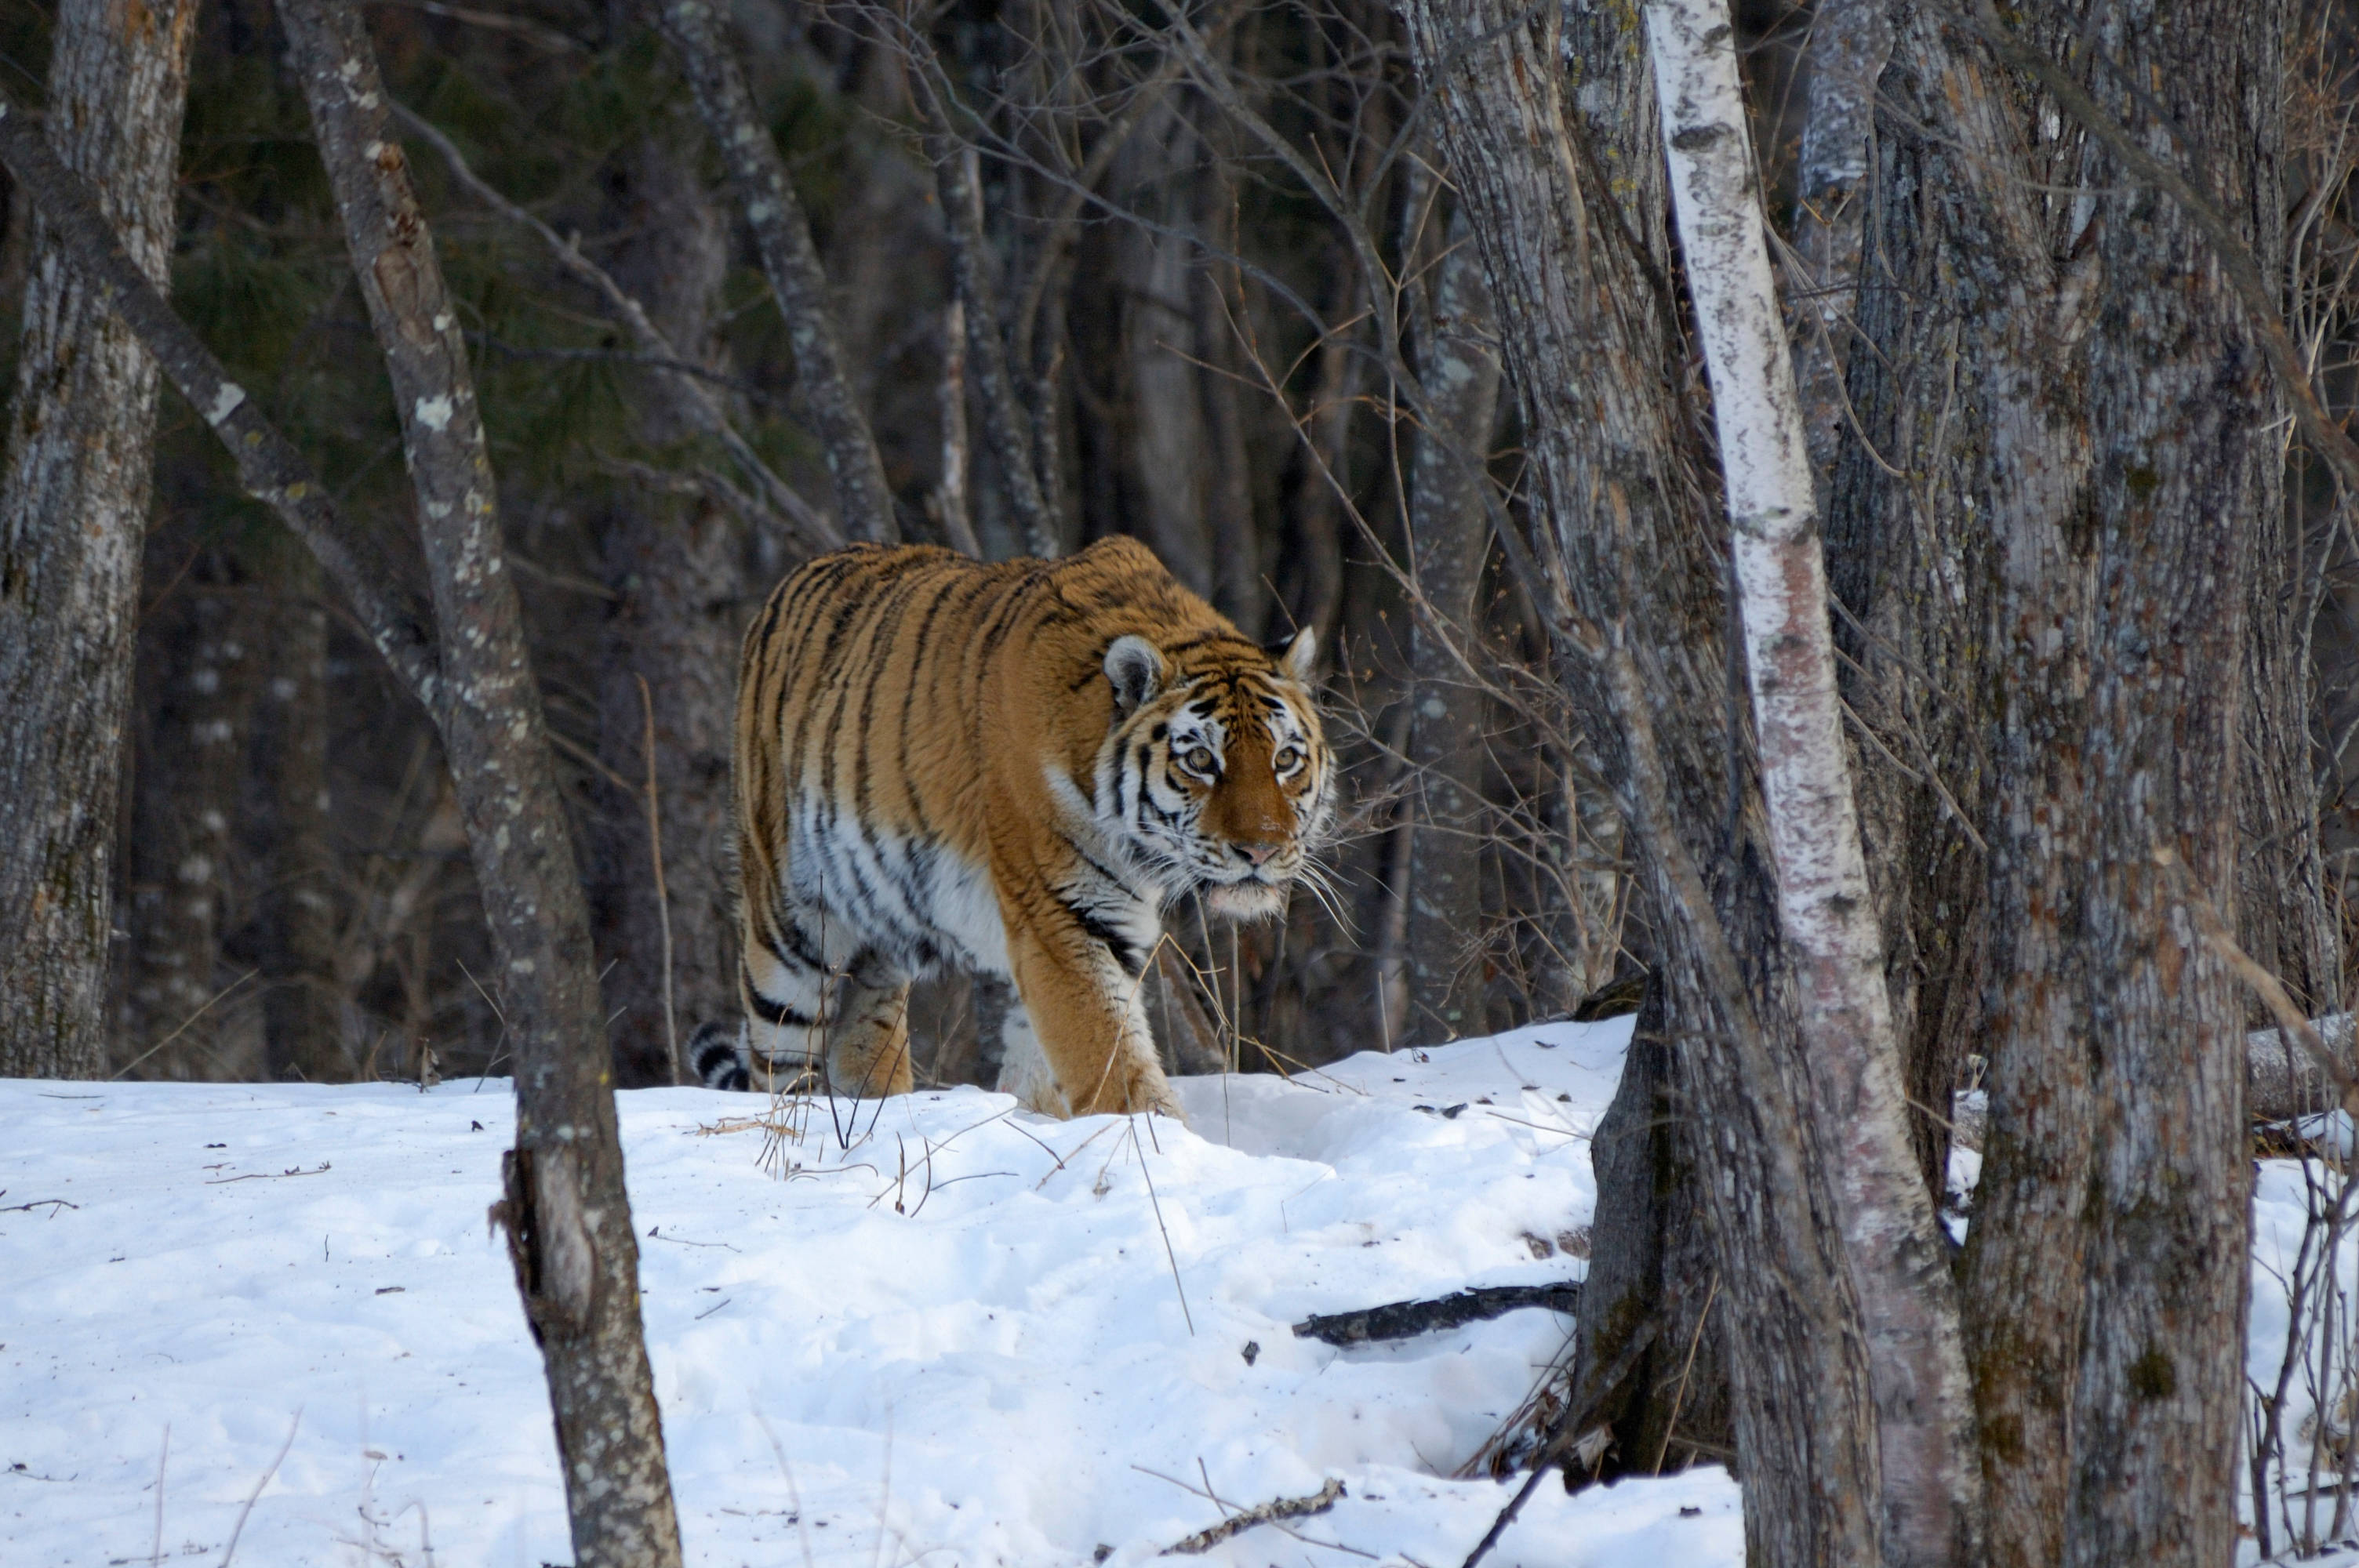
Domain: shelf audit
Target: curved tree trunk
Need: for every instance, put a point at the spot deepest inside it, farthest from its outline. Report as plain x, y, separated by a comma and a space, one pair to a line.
566, 1211
73, 512
767, 198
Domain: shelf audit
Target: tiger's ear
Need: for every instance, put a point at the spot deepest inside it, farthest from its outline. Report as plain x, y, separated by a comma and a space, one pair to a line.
1137, 671
1302, 655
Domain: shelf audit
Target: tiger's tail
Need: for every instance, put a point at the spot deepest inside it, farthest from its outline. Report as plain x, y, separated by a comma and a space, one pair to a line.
717, 1054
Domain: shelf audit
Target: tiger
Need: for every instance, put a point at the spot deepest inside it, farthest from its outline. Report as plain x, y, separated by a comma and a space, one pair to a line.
1012, 769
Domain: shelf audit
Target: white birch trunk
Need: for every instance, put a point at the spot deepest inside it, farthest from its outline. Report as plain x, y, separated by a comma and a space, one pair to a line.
1897, 1258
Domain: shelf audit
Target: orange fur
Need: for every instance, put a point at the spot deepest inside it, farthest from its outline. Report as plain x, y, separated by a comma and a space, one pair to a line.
935, 767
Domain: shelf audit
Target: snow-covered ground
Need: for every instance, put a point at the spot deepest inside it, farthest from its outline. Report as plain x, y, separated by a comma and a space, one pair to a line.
973, 1337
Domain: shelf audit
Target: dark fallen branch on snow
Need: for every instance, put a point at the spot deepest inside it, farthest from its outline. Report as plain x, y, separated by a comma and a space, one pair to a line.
1407, 1320
1276, 1508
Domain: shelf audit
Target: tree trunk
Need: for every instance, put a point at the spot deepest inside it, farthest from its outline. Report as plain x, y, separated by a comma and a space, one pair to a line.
1898, 1258
1168, 476
1849, 41
678, 567
202, 664
302, 1006
73, 514
567, 1215
1650, 1261
2181, 405
1449, 540
1624, 571
2061, 372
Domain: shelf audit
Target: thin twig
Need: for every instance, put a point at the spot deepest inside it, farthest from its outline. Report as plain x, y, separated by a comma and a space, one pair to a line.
696, 400
2267, 986
1680, 1394
663, 899
184, 1024
156, 1556
1168, 1254
321, 1169
1276, 1508
255, 1496
1569, 1425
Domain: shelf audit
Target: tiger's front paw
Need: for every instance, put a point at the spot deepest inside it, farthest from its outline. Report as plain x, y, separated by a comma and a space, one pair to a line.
1144, 1089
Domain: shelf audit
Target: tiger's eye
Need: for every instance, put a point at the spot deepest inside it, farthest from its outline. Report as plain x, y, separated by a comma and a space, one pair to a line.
1198, 759
1287, 759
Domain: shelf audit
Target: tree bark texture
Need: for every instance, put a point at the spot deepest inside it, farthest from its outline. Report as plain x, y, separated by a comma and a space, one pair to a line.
2062, 475
766, 198
1849, 41
1650, 1260
1898, 1257
302, 1005
73, 512
959, 183
2180, 405
678, 567
1449, 540
1170, 479
567, 1215
203, 665
1593, 350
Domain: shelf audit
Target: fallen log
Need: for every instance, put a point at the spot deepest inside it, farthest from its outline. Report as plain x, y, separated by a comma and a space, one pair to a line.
1407, 1320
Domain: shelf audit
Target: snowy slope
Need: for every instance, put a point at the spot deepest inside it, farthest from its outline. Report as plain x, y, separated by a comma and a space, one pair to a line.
959, 1340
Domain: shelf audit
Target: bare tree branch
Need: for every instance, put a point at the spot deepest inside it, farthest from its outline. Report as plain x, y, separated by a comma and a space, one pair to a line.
268, 467
701, 410
782, 234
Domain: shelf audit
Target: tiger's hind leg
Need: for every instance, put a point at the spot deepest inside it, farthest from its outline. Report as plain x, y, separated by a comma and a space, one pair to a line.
868, 1041
790, 993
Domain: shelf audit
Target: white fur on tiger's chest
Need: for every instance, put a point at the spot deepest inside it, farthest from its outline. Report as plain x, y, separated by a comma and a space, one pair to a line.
912, 898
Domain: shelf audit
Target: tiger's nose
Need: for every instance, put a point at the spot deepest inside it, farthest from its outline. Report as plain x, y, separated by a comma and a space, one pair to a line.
1257, 853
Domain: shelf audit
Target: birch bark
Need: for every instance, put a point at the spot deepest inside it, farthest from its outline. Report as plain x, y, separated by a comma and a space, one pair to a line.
1621, 558
1898, 1259
73, 514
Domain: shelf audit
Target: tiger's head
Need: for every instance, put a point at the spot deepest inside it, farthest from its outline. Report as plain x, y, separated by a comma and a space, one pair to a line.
1215, 777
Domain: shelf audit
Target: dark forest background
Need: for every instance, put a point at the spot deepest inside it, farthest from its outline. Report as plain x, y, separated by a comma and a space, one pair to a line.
295, 894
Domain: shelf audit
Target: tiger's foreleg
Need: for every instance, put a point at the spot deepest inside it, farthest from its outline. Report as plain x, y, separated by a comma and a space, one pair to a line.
868, 1043
1086, 1012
